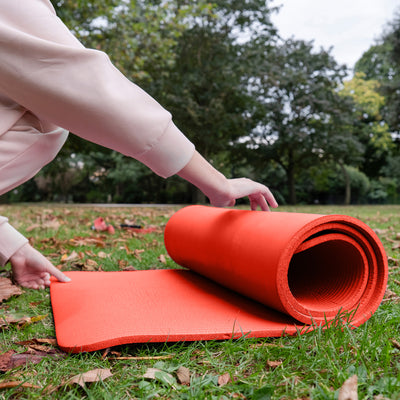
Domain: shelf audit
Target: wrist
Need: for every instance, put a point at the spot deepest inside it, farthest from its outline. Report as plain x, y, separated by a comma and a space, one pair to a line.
204, 176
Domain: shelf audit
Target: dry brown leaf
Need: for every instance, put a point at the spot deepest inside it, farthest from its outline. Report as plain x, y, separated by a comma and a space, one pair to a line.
90, 265
151, 373
379, 231
393, 260
183, 375
53, 224
13, 384
102, 254
224, 379
396, 246
32, 227
5, 360
72, 257
6, 320
8, 289
137, 254
348, 391
273, 364
162, 259
31, 342
12, 359
395, 343
95, 375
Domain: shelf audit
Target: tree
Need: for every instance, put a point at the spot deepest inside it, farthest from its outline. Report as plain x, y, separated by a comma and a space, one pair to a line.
207, 89
381, 62
369, 126
297, 87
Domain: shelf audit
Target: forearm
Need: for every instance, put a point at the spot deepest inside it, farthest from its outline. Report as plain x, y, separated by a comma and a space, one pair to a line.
223, 192
46, 70
204, 176
10, 241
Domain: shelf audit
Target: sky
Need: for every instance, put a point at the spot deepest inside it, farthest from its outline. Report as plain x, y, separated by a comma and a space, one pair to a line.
349, 26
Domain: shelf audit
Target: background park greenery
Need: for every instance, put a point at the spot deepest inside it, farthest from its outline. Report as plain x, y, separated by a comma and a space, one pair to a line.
280, 111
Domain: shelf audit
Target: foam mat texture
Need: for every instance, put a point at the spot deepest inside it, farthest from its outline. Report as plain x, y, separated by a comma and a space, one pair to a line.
249, 273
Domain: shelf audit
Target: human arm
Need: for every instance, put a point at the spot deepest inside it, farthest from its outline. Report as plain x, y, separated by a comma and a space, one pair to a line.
223, 192
30, 268
46, 70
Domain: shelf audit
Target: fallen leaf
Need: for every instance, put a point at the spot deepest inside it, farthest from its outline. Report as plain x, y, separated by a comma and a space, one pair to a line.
394, 261
102, 254
5, 360
6, 320
72, 257
396, 246
95, 375
8, 289
52, 224
273, 364
162, 259
395, 344
348, 391
11, 359
379, 231
32, 227
50, 341
129, 268
87, 241
151, 373
224, 379
90, 265
162, 376
183, 375
137, 253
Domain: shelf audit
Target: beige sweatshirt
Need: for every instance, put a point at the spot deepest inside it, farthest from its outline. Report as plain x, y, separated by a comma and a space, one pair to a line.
45, 70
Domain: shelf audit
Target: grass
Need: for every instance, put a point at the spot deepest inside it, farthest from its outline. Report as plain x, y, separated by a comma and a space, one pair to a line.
314, 365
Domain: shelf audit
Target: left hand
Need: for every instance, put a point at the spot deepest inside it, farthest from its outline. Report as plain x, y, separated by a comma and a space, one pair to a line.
32, 269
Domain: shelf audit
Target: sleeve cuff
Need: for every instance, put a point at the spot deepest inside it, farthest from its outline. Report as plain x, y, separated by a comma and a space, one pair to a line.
170, 154
10, 242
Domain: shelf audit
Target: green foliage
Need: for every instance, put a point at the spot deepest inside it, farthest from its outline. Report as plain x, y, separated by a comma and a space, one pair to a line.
297, 88
253, 104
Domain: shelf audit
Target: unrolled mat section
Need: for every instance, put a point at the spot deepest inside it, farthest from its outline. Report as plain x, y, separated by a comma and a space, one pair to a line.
248, 273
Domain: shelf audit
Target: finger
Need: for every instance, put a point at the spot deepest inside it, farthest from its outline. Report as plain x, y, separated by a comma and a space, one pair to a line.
269, 197
52, 270
258, 200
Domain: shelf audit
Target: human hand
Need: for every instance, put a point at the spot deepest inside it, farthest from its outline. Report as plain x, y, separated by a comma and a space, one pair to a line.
258, 194
32, 270
223, 192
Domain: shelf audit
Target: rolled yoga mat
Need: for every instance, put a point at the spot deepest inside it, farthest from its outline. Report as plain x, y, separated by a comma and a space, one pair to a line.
252, 273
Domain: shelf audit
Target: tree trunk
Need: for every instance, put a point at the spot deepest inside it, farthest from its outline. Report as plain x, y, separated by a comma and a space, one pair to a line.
291, 180
347, 192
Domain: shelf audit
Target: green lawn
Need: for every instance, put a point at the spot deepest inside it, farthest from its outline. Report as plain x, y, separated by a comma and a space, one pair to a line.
314, 365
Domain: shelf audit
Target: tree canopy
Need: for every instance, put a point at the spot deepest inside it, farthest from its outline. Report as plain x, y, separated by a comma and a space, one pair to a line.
280, 111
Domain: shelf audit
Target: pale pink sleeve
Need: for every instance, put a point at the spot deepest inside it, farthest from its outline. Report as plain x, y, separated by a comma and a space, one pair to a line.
45, 69
10, 240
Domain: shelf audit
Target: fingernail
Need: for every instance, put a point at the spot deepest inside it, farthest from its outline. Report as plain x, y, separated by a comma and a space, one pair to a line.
66, 279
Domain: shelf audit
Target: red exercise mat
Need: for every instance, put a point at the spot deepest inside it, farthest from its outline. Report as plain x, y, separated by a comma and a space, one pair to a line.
251, 273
